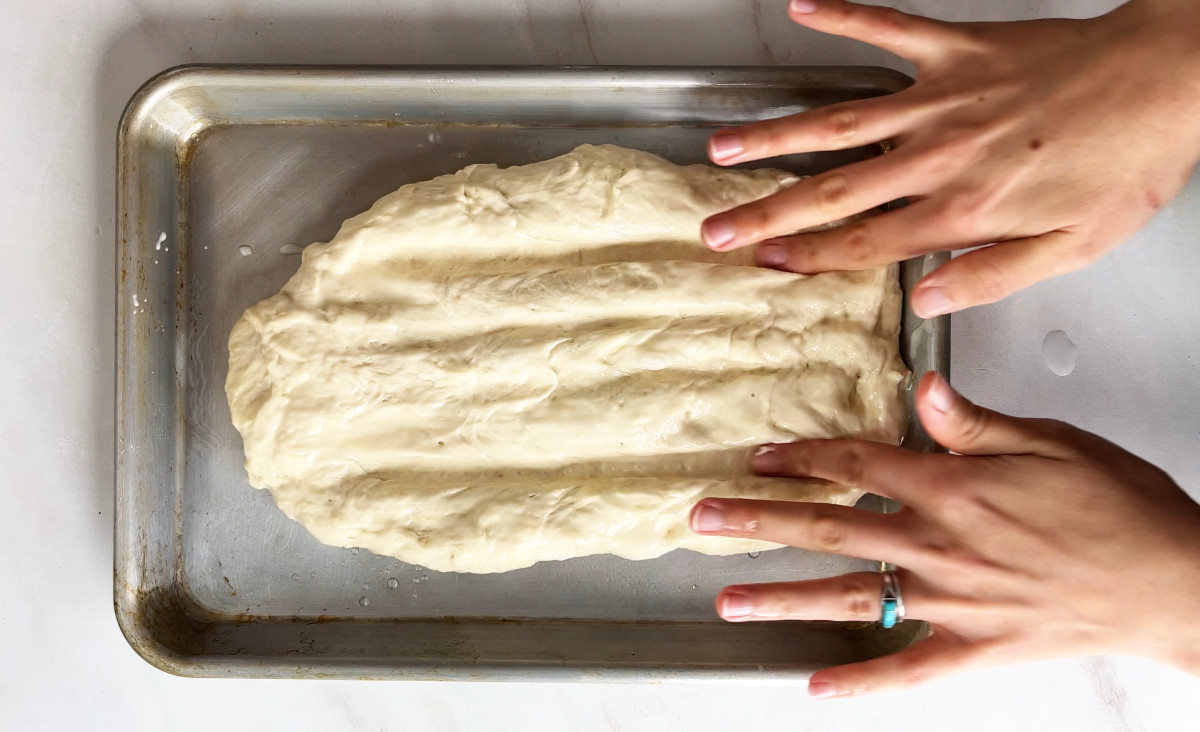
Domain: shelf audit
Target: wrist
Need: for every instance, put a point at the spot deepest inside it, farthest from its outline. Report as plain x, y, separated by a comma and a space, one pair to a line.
1172, 636
1172, 25
1161, 38
1174, 11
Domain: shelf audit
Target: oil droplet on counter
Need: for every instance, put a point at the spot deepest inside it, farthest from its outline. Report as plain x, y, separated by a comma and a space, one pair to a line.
393, 583
354, 550
161, 238
245, 251
1060, 353
295, 577
365, 586
754, 555
290, 249
694, 587
363, 601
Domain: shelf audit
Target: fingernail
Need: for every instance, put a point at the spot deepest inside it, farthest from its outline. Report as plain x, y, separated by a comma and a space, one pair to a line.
768, 460
821, 689
725, 145
804, 7
708, 517
718, 232
940, 395
736, 605
931, 301
772, 255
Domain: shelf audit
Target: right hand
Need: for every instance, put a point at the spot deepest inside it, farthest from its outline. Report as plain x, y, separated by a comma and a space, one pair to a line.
1037, 540
1052, 140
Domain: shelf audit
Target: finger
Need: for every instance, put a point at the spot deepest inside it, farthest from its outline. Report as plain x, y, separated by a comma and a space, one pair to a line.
969, 429
834, 127
818, 527
822, 199
873, 466
854, 596
908, 36
993, 273
941, 655
869, 242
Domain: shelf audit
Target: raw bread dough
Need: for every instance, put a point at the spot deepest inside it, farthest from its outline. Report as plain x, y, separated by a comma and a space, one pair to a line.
505, 366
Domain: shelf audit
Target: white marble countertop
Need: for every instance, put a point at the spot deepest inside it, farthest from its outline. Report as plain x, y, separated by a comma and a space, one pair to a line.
68, 67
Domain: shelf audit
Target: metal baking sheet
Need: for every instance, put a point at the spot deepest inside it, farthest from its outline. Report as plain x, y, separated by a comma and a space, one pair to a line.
224, 174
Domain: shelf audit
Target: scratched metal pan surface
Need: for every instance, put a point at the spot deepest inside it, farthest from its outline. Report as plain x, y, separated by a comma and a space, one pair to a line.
224, 174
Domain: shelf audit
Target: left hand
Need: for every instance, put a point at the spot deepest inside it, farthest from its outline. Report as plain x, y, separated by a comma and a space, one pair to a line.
1038, 540
1052, 141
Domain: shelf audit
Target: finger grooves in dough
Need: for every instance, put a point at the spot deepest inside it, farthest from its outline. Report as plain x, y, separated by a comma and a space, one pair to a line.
501, 367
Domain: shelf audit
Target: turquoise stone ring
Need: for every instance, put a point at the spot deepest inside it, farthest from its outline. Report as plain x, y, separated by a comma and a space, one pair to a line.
890, 601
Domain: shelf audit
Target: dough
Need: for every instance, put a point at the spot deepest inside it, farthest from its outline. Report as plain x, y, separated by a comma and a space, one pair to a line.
505, 366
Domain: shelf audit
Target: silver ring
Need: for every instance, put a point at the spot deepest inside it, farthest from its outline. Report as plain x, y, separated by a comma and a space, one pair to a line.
891, 602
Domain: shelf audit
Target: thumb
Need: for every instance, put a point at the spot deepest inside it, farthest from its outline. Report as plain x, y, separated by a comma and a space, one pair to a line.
968, 429
909, 36
994, 272
940, 655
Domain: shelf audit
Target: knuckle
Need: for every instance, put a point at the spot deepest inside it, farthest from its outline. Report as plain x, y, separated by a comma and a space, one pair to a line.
985, 281
1057, 432
828, 534
955, 508
937, 159
755, 220
803, 257
1087, 250
834, 192
974, 424
840, 123
764, 137
856, 245
798, 459
913, 670
858, 599
966, 215
890, 18
850, 466
952, 151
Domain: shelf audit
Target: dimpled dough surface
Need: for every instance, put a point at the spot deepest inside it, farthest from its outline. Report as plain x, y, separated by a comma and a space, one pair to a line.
505, 366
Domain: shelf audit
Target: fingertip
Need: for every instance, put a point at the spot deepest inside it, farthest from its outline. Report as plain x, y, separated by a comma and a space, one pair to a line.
772, 254
725, 146
936, 393
707, 516
734, 604
718, 233
820, 689
800, 9
769, 460
930, 300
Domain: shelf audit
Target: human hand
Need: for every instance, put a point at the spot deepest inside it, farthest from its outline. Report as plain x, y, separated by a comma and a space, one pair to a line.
1038, 540
1058, 139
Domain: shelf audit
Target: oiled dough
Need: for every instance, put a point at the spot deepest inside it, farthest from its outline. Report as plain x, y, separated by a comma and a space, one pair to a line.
505, 366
